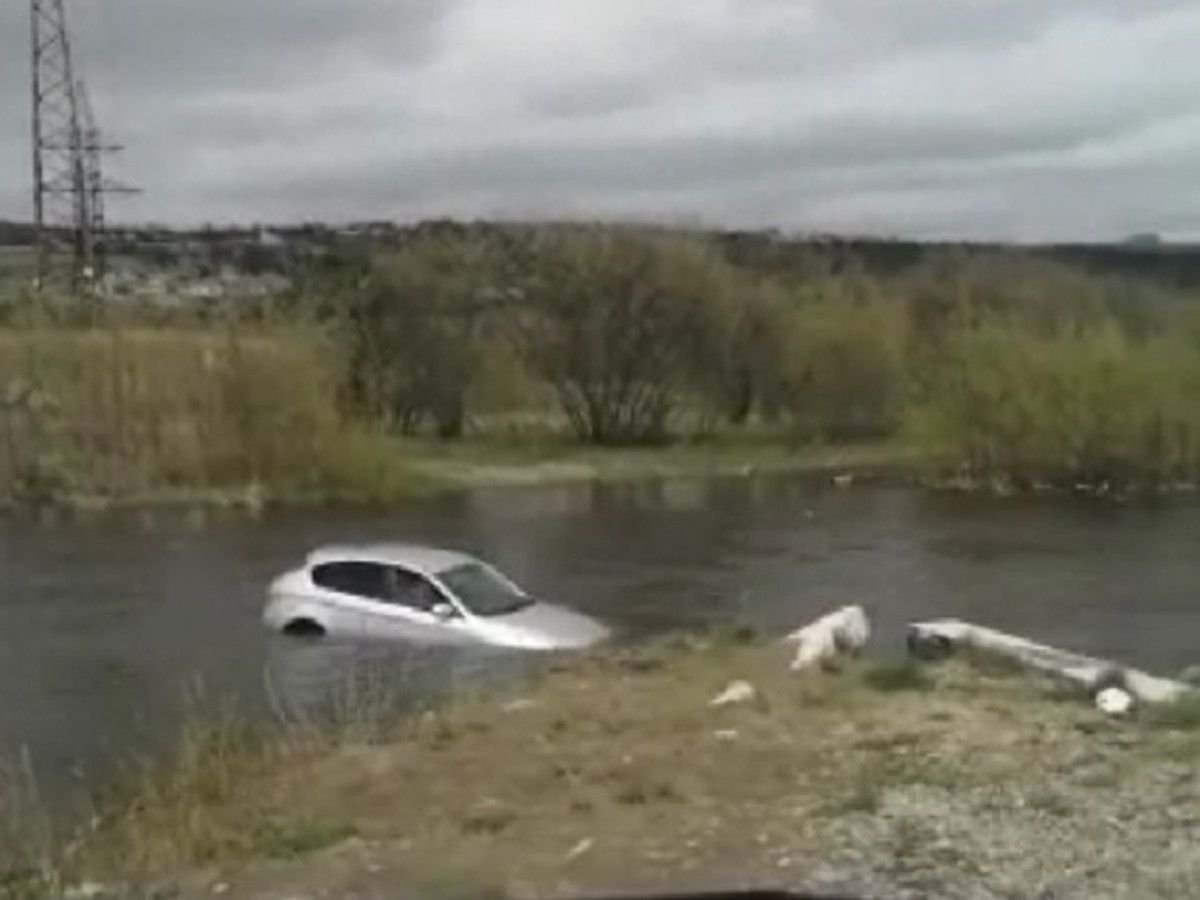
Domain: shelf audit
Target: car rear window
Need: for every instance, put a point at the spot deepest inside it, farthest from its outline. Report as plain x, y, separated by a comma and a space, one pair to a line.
358, 579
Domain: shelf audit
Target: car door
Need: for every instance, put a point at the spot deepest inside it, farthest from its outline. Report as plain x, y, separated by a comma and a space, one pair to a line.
378, 600
354, 594
413, 599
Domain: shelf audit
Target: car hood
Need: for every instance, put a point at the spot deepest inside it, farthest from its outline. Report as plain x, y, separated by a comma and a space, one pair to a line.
547, 626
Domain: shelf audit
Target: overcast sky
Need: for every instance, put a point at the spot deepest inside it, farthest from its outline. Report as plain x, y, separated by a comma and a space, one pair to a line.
1025, 119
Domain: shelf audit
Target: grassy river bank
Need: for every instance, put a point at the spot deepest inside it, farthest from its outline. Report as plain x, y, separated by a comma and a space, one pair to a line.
193, 417
496, 357
614, 771
144, 417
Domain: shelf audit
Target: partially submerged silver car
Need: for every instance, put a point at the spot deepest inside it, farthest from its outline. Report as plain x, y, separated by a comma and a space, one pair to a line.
419, 594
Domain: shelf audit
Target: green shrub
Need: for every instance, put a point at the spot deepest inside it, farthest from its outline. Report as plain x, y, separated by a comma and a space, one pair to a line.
615, 320
1088, 404
889, 678
847, 378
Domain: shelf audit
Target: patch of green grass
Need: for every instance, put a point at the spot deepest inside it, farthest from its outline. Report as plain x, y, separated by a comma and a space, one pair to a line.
638, 789
865, 797
1185, 749
991, 664
889, 743
741, 633
488, 817
1051, 803
291, 839
27, 883
718, 635
1182, 714
1100, 778
890, 678
455, 884
1058, 690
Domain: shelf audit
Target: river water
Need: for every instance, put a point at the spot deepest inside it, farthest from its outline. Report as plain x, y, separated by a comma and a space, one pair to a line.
105, 624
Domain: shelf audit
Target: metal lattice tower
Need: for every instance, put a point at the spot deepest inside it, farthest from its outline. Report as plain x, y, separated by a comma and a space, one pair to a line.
97, 185
68, 180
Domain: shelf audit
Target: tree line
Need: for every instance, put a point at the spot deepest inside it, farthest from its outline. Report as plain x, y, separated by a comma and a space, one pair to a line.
1000, 364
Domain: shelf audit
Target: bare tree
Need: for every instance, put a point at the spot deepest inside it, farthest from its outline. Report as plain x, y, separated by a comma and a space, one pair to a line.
608, 317
411, 331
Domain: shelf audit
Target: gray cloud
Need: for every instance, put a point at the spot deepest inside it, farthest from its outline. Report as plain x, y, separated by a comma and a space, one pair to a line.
1007, 118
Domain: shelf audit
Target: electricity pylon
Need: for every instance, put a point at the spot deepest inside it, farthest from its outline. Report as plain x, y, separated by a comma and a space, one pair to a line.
97, 185
68, 180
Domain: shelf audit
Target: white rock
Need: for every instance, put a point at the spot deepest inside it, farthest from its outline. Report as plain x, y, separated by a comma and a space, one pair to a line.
738, 692
1114, 701
581, 848
845, 631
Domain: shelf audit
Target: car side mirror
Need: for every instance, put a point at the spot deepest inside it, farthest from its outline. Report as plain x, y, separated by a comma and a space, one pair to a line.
444, 612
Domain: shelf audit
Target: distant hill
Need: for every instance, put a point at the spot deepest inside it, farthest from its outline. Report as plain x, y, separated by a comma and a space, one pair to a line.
1142, 256
1168, 265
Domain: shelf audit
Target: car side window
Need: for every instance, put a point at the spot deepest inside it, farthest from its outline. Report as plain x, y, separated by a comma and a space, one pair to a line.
413, 591
358, 579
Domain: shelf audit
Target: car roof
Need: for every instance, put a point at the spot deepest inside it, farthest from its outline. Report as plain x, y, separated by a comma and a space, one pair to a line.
415, 557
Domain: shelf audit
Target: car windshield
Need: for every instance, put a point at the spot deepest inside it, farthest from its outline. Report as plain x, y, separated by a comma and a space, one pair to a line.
482, 592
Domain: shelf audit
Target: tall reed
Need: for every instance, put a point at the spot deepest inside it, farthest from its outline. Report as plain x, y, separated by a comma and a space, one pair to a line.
128, 411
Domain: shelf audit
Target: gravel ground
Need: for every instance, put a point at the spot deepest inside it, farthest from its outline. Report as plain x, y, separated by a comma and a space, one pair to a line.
619, 775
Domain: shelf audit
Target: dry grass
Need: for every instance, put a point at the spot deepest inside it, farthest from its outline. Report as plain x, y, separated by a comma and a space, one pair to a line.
248, 415
28, 849
207, 801
130, 412
613, 766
